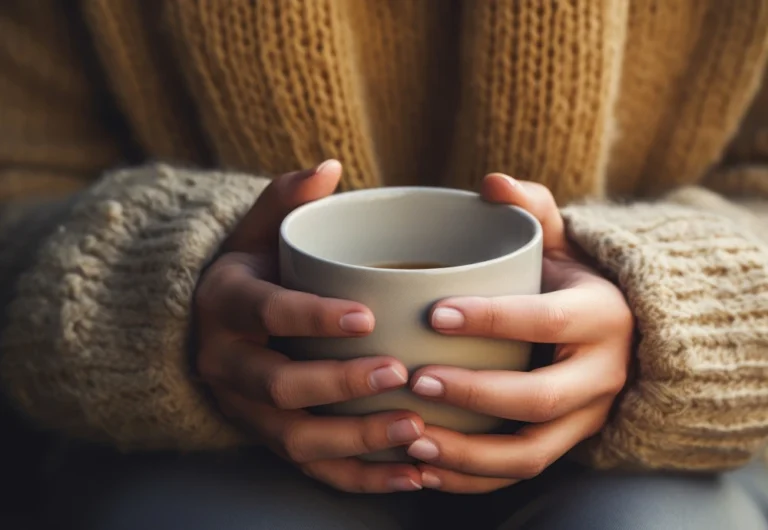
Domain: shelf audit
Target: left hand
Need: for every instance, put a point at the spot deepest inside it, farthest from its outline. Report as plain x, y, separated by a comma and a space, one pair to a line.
584, 314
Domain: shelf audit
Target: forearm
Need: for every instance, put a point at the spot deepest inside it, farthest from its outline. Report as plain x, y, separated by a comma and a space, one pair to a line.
96, 336
695, 277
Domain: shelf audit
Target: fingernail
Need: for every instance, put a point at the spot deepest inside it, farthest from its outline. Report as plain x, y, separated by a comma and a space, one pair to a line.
403, 431
429, 386
386, 377
513, 183
447, 318
403, 484
423, 449
326, 165
430, 480
356, 323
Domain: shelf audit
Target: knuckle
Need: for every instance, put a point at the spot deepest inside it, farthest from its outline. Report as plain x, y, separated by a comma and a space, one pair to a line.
366, 486
540, 189
357, 482
615, 382
341, 478
553, 321
293, 444
218, 280
546, 403
472, 398
534, 466
327, 473
279, 389
460, 457
369, 439
600, 419
269, 311
317, 321
543, 196
316, 315
622, 317
349, 381
322, 471
464, 460
495, 317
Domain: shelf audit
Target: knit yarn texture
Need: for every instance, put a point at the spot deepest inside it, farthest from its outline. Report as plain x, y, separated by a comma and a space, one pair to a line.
626, 110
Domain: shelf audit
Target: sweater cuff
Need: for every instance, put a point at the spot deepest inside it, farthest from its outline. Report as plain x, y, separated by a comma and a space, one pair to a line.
95, 344
696, 281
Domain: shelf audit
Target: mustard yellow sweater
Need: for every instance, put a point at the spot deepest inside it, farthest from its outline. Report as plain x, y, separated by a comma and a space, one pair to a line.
645, 103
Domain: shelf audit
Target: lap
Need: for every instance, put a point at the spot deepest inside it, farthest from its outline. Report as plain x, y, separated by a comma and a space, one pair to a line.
204, 492
102, 491
593, 501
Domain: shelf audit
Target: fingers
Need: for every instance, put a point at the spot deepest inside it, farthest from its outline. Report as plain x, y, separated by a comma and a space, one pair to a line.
250, 306
532, 197
354, 476
259, 228
580, 314
538, 396
454, 482
282, 312
304, 438
270, 377
521, 456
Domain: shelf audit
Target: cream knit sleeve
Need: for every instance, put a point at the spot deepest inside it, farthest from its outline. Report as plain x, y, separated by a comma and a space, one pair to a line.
95, 339
694, 269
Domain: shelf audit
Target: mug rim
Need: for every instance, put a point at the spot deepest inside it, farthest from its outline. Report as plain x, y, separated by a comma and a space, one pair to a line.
395, 191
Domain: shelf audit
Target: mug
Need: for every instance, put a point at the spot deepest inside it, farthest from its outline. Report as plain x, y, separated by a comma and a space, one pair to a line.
364, 245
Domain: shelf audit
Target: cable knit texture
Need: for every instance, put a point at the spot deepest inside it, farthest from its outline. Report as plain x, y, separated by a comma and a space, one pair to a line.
125, 262
596, 99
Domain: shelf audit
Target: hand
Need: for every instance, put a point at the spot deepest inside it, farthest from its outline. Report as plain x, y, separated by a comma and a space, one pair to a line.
239, 306
588, 319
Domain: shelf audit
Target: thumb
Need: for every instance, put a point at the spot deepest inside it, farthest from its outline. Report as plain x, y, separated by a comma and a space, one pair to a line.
260, 227
535, 199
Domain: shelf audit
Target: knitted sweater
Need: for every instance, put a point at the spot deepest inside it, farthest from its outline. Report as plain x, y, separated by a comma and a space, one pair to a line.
626, 110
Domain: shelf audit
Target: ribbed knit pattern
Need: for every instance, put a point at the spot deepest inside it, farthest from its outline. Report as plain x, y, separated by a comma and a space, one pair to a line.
422, 35
593, 98
690, 65
131, 42
271, 86
539, 82
750, 146
698, 287
50, 115
101, 352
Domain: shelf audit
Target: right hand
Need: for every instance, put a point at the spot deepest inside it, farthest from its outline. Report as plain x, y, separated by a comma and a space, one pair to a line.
239, 306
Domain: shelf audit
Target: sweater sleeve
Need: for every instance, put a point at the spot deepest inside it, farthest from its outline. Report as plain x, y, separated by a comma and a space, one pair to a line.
96, 287
94, 343
694, 269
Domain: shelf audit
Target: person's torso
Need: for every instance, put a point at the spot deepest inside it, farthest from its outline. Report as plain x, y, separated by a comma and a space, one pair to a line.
588, 97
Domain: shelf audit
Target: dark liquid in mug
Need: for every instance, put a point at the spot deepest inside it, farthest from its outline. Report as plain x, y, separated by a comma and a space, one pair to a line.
410, 265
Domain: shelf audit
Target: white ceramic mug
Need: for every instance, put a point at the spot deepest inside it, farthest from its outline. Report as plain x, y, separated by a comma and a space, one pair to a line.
332, 247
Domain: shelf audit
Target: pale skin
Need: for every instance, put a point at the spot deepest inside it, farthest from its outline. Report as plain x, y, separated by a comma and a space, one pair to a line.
239, 307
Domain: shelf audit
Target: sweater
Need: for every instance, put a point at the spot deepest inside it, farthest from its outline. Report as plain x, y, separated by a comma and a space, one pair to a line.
134, 135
